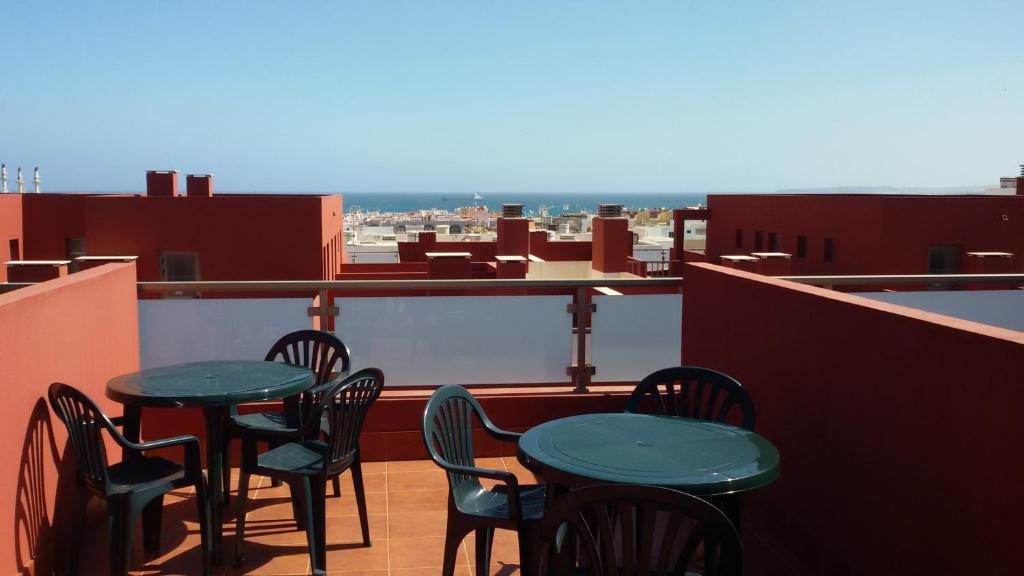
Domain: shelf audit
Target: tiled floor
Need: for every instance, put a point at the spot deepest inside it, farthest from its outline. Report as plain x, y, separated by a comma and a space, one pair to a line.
406, 500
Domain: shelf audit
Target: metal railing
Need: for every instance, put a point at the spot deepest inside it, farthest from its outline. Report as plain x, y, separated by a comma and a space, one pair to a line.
324, 309
906, 279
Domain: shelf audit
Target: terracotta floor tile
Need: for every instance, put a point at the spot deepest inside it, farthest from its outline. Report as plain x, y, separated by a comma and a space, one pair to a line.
504, 547
418, 501
416, 524
420, 553
351, 556
375, 482
422, 480
411, 466
376, 503
359, 572
492, 463
261, 559
340, 530
375, 467
433, 571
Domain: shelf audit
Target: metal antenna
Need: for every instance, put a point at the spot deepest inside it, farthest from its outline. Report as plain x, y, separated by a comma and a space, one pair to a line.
3, 178
20, 182
35, 180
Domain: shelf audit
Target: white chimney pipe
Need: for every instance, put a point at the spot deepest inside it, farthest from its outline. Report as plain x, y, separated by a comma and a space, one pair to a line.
3, 178
35, 180
20, 182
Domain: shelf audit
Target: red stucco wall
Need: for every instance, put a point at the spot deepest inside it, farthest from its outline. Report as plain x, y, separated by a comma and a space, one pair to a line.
238, 237
898, 429
873, 234
81, 330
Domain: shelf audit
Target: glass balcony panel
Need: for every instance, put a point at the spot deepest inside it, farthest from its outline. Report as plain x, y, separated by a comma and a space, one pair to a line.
634, 335
432, 341
175, 331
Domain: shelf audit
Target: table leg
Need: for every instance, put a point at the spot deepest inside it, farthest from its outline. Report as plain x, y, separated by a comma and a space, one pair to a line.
215, 416
132, 427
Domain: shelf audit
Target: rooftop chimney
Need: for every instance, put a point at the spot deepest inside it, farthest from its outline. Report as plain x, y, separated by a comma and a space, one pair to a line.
513, 231
511, 210
199, 185
20, 182
609, 210
612, 242
3, 178
35, 181
162, 183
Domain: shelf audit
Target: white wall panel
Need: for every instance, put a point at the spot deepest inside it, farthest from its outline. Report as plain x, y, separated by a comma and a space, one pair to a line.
1003, 308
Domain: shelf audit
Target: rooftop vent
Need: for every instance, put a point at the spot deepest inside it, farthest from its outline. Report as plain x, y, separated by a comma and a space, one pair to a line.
609, 210
511, 210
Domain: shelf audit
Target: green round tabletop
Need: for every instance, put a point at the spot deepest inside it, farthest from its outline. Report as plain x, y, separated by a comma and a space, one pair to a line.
217, 383
694, 456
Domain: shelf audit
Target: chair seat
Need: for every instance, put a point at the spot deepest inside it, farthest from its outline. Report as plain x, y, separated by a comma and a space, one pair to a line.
493, 503
142, 472
305, 458
261, 420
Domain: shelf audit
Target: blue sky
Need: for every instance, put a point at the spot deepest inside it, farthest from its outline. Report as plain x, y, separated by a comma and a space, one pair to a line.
487, 96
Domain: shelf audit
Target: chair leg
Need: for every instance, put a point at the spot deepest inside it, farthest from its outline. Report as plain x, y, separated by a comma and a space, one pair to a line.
528, 552
357, 483
313, 525
484, 541
240, 505
152, 514
336, 483
297, 501
81, 505
319, 494
119, 530
226, 469
452, 542
203, 508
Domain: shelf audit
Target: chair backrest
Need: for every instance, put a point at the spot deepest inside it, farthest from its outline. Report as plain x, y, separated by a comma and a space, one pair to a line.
347, 413
448, 433
319, 351
692, 392
639, 530
85, 422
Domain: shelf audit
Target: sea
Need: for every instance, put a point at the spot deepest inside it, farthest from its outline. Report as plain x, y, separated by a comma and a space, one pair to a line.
555, 202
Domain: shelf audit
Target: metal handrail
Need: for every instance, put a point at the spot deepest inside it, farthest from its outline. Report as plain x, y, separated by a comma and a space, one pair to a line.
864, 280
342, 285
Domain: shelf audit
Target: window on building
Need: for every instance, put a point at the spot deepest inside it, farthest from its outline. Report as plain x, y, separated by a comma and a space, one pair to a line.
73, 248
774, 242
179, 267
15, 249
830, 250
739, 238
943, 259
758, 241
801, 246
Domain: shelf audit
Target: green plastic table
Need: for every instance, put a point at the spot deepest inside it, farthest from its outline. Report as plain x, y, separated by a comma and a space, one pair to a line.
693, 456
214, 387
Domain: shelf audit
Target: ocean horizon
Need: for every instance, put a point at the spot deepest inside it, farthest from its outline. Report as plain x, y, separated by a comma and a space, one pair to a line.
555, 202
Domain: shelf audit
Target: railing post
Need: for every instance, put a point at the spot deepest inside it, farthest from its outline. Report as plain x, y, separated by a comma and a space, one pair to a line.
581, 370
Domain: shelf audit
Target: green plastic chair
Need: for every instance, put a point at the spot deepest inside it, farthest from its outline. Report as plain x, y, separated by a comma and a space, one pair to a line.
304, 462
321, 352
692, 392
448, 434
131, 487
638, 530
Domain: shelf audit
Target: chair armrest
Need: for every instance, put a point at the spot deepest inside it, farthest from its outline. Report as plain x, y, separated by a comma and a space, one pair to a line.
498, 433
118, 420
193, 463
515, 512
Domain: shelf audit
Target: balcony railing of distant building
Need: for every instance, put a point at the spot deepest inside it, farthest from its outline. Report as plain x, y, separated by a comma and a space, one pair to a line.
649, 268
909, 280
432, 332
